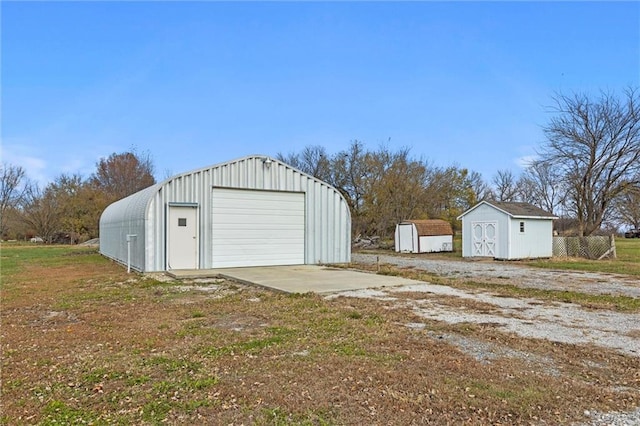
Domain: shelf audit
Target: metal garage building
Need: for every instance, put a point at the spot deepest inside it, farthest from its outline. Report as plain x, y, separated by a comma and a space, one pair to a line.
253, 211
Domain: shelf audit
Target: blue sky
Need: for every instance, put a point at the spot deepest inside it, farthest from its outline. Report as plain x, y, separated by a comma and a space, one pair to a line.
195, 84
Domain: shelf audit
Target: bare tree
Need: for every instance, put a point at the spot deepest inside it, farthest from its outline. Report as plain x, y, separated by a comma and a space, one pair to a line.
41, 211
12, 191
479, 187
348, 175
121, 175
312, 160
627, 207
505, 185
595, 145
384, 186
542, 185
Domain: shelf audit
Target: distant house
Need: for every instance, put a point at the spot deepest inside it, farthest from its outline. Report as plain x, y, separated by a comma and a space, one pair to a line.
504, 230
424, 236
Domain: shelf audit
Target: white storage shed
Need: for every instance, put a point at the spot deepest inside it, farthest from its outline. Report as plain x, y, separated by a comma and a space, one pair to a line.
504, 230
253, 211
423, 236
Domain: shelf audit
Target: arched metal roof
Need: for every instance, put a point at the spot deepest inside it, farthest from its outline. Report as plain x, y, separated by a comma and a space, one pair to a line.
328, 219
130, 208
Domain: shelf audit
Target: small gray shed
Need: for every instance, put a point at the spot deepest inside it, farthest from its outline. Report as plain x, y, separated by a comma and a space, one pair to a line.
253, 211
507, 230
424, 236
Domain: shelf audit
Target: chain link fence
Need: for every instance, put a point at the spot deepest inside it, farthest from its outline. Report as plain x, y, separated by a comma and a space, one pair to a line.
592, 247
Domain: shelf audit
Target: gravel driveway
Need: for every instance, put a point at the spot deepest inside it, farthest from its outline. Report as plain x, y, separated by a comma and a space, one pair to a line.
555, 321
505, 272
531, 318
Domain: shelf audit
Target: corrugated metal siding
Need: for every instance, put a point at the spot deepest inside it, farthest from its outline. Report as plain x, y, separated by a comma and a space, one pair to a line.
122, 218
328, 220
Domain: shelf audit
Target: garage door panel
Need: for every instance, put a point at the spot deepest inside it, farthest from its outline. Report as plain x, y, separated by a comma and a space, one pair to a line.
232, 215
262, 243
269, 206
239, 263
257, 257
257, 253
275, 217
257, 228
268, 200
273, 231
257, 222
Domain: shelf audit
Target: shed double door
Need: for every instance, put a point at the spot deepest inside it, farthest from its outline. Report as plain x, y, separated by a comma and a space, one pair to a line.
484, 238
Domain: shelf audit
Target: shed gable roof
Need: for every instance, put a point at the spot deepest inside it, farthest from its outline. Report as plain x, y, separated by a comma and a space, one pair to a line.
431, 227
522, 209
515, 209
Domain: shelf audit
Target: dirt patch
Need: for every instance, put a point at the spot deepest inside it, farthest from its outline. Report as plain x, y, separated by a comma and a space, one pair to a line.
558, 322
555, 321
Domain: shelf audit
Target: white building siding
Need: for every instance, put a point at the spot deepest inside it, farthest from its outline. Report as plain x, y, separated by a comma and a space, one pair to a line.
436, 243
409, 240
535, 241
406, 238
486, 213
327, 216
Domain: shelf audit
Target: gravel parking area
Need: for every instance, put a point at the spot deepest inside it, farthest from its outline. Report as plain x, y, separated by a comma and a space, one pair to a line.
531, 318
508, 272
561, 322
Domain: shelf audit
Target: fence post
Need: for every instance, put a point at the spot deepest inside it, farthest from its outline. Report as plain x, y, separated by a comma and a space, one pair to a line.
613, 246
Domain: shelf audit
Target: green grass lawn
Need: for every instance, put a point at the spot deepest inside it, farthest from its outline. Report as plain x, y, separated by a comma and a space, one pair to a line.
83, 342
627, 261
14, 257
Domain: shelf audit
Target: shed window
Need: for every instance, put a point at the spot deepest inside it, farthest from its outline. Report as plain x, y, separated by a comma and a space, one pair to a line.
182, 221
521, 227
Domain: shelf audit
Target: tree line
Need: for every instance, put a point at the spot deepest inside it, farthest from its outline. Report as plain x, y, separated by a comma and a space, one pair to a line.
587, 171
383, 187
68, 209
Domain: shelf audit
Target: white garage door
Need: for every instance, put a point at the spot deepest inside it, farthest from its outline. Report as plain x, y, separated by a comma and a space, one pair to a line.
257, 228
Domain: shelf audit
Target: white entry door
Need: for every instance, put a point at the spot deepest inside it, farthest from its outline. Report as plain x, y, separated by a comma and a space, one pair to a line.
182, 237
484, 238
257, 228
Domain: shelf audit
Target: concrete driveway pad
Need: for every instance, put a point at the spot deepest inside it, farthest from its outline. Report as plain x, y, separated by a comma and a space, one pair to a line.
300, 278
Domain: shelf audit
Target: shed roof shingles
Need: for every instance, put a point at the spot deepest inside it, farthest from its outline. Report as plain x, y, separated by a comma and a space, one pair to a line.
432, 227
521, 209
